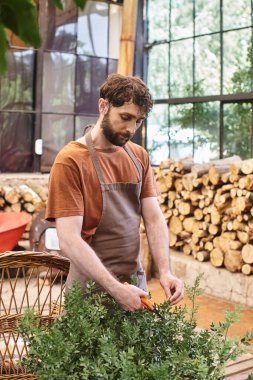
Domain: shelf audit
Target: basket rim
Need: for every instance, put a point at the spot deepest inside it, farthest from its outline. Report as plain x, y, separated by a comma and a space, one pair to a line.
17, 259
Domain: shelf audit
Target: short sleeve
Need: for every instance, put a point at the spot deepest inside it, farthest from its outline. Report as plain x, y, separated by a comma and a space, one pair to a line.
65, 192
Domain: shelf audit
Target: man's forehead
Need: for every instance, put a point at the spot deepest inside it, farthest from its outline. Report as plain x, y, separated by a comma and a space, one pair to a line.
132, 109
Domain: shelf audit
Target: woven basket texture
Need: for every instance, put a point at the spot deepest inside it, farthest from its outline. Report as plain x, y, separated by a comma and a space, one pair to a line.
27, 280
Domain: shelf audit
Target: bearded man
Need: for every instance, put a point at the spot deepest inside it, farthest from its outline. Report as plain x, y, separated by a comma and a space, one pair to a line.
100, 186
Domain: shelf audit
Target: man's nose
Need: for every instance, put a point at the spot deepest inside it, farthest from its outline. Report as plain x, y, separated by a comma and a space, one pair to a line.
132, 126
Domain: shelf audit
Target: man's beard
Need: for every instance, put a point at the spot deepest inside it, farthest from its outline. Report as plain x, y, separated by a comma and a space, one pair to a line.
115, 138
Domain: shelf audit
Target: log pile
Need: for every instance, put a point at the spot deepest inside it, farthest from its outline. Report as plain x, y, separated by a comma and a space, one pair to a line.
209, 210
28, 195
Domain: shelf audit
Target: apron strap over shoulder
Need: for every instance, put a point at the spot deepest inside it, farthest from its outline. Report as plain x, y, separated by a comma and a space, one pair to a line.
94, 157
135, 161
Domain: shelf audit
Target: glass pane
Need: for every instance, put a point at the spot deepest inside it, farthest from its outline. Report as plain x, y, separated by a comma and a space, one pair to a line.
92, 29
237, 61
91, 73
16, 86
206, 131
181, 131
158, 21
112, 66
61, 27
207, 65
157, 134
57, 130
158, 75
237, 121
236, 13
181, 19
58, 82
181, 70
207, 16
16, 142
82, 122
115, 30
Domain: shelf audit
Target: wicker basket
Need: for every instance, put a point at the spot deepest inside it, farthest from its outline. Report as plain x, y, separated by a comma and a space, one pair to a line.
27, 280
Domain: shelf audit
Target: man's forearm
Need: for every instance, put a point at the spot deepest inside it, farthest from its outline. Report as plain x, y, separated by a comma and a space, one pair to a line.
158, 240
88, 263
159, 245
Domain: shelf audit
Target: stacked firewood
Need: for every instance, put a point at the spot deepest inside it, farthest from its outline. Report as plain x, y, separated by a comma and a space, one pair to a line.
29, 196
209, 210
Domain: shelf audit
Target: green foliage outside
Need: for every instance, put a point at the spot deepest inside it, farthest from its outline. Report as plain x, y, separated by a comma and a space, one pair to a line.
237, 118
96, 339
20, 16
174, 78
236, 121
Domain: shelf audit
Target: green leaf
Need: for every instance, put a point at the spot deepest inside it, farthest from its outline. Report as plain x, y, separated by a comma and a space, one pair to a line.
20, 16
58, 4
80, 3
3, 48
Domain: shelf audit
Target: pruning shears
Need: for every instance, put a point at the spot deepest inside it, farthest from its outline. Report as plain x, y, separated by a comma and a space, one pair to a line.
149, 305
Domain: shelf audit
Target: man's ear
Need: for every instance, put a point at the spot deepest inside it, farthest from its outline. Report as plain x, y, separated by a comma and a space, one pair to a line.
103, 106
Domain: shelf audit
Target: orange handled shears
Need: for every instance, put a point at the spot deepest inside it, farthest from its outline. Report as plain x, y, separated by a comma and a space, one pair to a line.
148, 305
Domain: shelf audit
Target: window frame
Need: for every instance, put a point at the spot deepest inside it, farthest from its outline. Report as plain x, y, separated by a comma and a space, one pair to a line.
221, 97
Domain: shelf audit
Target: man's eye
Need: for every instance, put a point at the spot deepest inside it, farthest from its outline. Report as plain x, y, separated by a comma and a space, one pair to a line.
124, 117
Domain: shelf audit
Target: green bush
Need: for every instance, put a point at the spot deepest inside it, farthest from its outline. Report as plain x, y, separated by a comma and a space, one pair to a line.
96, 339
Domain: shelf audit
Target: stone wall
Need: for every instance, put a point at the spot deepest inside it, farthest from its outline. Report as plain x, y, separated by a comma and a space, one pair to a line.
218, 282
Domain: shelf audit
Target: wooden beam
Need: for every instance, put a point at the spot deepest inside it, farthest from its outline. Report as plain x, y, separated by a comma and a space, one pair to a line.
127, 39
240, 368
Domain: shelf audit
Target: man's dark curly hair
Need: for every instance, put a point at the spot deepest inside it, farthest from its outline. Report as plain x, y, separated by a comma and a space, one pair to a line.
119, 89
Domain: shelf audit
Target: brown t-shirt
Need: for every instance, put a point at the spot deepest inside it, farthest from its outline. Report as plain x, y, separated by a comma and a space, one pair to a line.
74, 188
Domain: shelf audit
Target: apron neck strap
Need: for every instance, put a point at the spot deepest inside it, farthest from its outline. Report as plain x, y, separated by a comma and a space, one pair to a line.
94, 157
96, 162
135, 161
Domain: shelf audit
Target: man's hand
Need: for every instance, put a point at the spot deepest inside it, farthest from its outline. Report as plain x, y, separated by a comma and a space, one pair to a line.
128, 296
158, 240
173, 287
